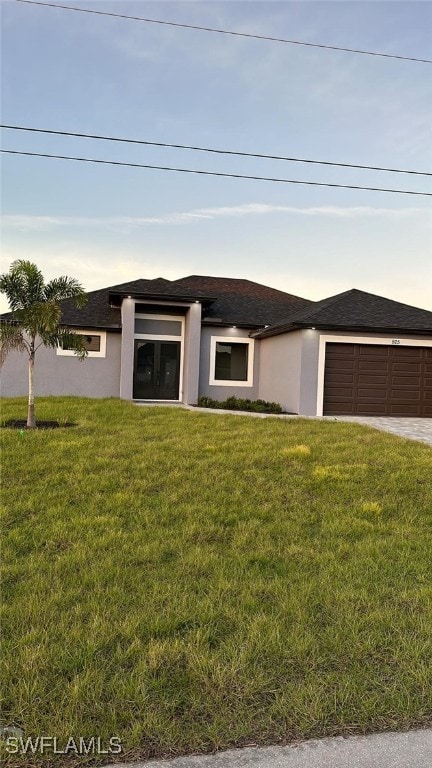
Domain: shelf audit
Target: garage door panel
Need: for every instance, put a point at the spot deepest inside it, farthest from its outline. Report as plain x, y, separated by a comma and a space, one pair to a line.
368, 409
340, 378
345, 350
378, 380
403, 410
372, 350
406, 367
371, 394
370, 378
405, 381
346, 393
338, 367
343, 409
372, 366
404, 394
405, 353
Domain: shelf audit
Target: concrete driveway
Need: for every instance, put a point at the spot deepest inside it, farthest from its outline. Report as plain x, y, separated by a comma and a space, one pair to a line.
412, 749
413, 428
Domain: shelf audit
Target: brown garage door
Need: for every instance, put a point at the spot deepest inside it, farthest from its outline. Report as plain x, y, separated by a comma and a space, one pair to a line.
378, 380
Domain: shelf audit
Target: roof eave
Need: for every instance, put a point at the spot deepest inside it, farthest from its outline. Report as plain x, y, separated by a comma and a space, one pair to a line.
288, 327
93, 326
275, 331
219, 323
388, 329
162, 297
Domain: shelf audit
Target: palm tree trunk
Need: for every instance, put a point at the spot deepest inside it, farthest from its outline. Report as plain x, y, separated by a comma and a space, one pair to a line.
31, 423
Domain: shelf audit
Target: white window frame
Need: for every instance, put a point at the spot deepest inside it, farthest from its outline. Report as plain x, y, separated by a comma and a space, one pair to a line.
86, 332
388, 341
231, 340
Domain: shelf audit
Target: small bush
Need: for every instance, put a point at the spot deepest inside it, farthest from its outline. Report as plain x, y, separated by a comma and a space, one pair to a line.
240, 404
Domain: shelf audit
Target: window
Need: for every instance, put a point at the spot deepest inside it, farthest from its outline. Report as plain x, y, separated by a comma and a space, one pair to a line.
91, 343
95, 344
231, 362
158, 327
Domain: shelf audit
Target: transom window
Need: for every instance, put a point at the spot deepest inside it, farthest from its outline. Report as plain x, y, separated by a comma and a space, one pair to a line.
231, 361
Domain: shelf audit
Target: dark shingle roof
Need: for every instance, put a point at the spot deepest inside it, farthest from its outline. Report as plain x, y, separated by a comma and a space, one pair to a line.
243, 302
160, 287
225, 300
97, 313
359, 310
102, 311
234, 301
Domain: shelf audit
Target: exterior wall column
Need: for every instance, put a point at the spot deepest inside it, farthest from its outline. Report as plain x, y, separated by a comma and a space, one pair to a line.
191, 355
309, 372
127, 349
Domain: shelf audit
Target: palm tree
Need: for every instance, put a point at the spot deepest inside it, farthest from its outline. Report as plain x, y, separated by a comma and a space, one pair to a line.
36, 316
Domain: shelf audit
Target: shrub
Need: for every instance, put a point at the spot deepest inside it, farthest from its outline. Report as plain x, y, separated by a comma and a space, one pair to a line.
240, 404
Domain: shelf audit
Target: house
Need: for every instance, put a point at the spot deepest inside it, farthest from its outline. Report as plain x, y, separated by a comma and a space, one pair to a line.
174, 341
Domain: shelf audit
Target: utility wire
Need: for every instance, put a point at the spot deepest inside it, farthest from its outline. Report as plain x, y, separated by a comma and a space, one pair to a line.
208, 149
214, 173
224, 31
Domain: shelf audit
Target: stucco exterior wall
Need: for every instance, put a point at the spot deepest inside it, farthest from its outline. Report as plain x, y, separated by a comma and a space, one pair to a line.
218, 392
192, 343
280, 369
127, 348
61, 375
308, 372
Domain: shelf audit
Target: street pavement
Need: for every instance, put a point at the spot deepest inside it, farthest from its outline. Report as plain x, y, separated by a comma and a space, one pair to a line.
411, 749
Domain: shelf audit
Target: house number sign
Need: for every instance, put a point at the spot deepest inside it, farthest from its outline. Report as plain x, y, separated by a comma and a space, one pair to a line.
395, 341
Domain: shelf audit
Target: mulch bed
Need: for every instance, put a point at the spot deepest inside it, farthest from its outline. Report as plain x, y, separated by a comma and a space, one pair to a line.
22, 424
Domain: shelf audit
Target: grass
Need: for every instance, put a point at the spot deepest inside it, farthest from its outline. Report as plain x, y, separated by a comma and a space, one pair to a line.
188, 581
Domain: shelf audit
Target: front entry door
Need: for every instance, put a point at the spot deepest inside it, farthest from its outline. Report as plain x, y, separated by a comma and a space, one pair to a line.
156, 370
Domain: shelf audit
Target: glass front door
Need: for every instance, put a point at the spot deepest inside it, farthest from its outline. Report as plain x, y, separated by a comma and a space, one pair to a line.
156, 370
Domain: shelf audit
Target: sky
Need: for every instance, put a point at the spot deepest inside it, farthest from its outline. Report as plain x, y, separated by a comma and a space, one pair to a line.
104, 225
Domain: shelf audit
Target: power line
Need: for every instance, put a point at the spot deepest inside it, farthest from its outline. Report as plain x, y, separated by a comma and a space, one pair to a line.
214, 173
225, 31
208, 149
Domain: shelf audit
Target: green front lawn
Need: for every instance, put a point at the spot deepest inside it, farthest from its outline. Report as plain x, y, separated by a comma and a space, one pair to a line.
188, 581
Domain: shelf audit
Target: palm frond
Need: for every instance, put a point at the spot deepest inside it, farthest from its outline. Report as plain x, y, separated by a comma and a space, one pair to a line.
40, 318
66, 338
23, 284
62, 288
11, 338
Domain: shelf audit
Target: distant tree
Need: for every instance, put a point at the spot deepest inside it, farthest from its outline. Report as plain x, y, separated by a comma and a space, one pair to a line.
36, 317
